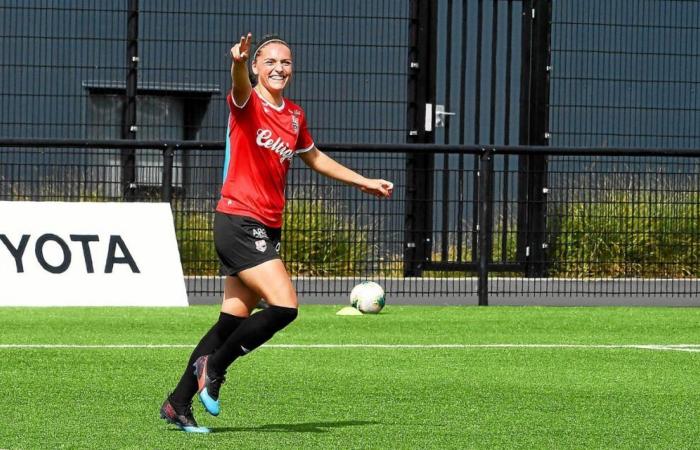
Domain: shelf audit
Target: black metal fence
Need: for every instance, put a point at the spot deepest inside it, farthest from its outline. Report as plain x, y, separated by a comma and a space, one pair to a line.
628, 223
124, 101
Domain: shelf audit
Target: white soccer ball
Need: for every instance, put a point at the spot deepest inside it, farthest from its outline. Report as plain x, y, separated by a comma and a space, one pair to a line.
368, 297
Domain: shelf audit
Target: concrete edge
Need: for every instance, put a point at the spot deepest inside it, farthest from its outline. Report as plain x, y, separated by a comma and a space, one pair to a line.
507, 291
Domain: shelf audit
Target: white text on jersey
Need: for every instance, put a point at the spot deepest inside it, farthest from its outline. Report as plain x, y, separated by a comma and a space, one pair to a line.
265, 140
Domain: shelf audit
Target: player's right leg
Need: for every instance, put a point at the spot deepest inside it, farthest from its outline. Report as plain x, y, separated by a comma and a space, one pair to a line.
183, 418
177, 408
239, 300
271, 281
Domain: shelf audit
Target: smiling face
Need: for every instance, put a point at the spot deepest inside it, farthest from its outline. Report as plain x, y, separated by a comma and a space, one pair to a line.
273, 67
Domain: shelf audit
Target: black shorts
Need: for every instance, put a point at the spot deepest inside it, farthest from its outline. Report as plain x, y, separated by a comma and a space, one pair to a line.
242, 242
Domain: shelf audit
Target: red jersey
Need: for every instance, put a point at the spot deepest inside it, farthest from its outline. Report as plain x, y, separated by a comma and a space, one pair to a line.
262, 140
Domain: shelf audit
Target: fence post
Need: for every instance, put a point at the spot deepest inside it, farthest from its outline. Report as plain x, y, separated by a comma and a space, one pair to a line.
484, 233
128, 155
166, 191
534, 123
418, 216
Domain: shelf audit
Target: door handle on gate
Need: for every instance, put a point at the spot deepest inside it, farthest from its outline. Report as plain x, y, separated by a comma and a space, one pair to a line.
440, 114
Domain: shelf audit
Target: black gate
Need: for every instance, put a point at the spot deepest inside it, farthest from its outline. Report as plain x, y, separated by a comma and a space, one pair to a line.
489, 89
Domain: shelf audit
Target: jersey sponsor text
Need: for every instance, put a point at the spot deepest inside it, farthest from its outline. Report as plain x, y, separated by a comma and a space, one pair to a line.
278, 146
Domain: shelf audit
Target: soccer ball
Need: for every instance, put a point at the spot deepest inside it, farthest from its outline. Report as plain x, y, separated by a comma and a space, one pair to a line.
368, 297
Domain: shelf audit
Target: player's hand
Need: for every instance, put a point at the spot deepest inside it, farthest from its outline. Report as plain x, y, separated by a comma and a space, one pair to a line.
241, 51
378, 188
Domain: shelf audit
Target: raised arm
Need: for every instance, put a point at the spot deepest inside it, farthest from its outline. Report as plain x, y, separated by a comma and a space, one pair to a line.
240, 83
325, 165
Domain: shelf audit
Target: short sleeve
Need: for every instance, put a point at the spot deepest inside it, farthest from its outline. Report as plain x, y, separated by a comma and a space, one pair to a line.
305, 142
235, 109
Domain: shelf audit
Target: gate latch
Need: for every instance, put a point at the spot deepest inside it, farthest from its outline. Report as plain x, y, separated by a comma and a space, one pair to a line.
440, 114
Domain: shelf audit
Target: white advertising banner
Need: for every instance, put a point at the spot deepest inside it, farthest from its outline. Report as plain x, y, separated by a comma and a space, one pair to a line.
89, 254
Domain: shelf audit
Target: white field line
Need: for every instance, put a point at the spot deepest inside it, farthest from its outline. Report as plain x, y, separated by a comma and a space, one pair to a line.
658, 347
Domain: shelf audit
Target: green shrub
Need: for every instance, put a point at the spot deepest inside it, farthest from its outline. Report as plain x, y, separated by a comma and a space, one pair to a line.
318, 241
196, 242
623, 237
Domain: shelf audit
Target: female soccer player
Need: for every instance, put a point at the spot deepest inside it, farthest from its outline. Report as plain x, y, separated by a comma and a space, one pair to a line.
265, 131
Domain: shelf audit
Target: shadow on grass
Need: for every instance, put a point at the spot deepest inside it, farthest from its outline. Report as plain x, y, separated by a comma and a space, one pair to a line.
311, 427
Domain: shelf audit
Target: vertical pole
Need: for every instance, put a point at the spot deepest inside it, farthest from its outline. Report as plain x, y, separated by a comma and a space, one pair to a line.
445, 231
477, 122
534, 115
485, 236
506, 137
419, 167
522, 250
166, 191
461, 187
128, 156
538, 135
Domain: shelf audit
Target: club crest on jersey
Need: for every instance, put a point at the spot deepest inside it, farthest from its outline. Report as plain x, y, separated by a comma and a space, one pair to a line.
261, 245
295, 121
265, 140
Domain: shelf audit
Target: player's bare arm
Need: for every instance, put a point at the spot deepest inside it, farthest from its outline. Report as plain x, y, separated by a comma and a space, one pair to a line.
327, 166
240, 83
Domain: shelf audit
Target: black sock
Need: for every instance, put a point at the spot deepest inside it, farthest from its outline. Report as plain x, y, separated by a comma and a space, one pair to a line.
215, 337
251, 334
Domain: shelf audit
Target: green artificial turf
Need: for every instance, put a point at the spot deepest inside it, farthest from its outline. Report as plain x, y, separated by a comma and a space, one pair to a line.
360, 397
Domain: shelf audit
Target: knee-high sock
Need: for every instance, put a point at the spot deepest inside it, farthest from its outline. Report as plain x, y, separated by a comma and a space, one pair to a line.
251, 334
215, 337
